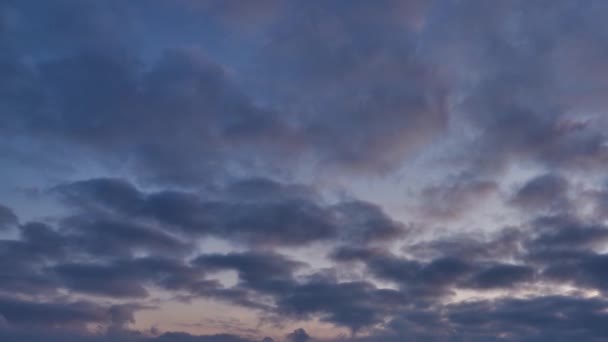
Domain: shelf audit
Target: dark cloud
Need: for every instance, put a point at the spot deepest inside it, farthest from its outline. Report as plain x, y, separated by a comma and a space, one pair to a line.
219, 124
520, 105
66, 315
436, 277
599, 199
264, 272
7, 217
45, 259
105, 236
545, 192
553, 234
85, 236
538, 319
23, 260
298, 335
584, 270
372, 100
269, 283
349, 254
184, 337
361, 222
355, 305
421, 278
258, 211
501, 276
289, 220
131, 278
374, 90
40, 336
99, 75
504, 244
101, 194
547, 318
183, 83
194, 121
100, 279
256, 189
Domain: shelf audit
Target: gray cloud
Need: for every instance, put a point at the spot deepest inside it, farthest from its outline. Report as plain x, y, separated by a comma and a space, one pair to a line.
186, 93
453, 200
545, 192
39, 336
7, 217
298, 335
221, 113
256, 212
516, 99
371, 100
66, 315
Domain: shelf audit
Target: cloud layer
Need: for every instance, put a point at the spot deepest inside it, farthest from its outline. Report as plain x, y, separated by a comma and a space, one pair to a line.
324, 170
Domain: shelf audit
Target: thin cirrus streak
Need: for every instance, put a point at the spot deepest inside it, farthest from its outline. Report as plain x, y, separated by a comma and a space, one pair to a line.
290, 171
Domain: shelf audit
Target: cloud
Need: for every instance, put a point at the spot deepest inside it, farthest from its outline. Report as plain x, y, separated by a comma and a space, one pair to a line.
371, 101
298, 335
503, 244
162, 127
544, 318
256, 212
39, 336
501, 276
519, 106
545, 192
349, 89
7, 217
453, 200
555, 250
436, 278
218, 126
272, 284
73, 315
183, 82
355, 305
264, 272
547, 318
22, 260
599, 201
121, 237
564, 233
92, 63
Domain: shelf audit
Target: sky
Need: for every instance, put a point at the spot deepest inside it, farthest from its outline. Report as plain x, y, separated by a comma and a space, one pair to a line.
303, 170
